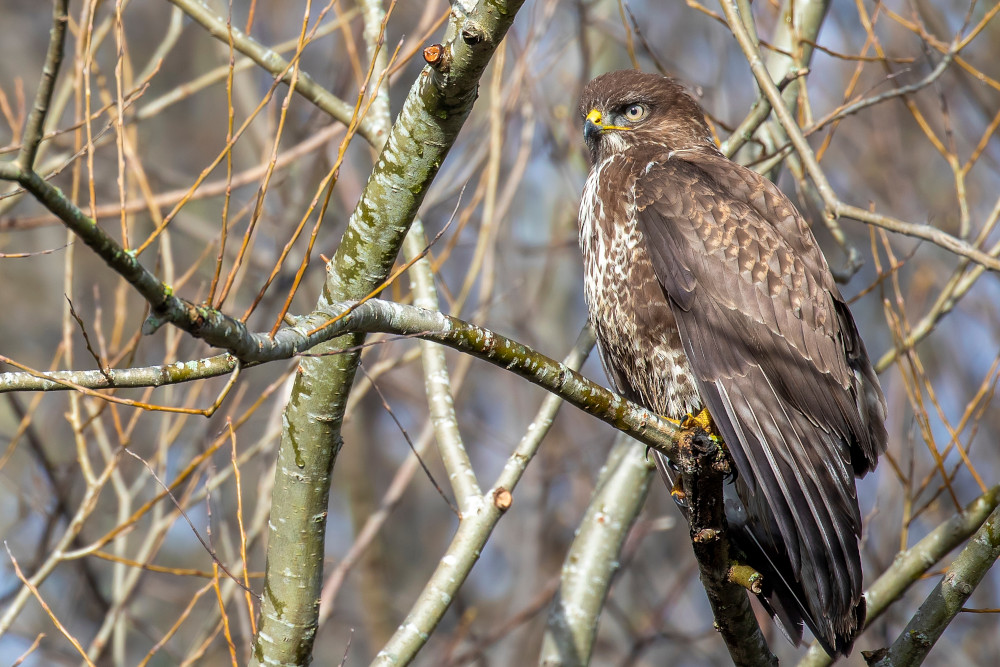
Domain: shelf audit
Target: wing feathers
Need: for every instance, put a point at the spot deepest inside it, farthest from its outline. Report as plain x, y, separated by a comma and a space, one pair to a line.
780, 367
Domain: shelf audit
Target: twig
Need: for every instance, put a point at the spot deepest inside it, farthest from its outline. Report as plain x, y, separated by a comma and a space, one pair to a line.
409, 442
267, 58
180, 510
760, 110
542, 599
48, 610
366, 536
101, 366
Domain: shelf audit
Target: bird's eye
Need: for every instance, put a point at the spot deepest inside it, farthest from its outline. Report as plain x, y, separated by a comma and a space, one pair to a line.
635, 112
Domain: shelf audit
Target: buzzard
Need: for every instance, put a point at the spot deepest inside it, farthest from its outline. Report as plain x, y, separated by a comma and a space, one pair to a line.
708, 291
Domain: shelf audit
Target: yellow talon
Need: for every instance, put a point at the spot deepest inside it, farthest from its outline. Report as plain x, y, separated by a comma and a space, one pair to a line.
702, 420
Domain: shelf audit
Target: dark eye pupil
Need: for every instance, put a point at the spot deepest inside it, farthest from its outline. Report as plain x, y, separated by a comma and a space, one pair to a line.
634, 111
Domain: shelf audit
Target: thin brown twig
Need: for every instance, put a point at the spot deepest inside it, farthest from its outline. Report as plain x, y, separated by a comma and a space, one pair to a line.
180, 510
327, 184
41, 601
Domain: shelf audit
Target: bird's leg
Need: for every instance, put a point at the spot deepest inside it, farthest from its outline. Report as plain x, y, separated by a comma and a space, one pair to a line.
703, 421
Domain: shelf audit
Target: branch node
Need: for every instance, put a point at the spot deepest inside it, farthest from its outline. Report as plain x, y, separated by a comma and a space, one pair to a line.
746, 576
438, 57
502, 499
473, 34
875, 656
706, 535
152, 324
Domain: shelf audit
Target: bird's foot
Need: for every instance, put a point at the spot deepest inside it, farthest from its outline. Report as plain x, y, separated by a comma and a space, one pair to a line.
677, 492
702, 420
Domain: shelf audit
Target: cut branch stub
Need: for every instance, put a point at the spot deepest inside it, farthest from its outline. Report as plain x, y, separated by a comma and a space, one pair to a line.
438, 57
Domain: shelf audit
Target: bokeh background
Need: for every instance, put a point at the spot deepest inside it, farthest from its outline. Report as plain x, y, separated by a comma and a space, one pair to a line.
137, 581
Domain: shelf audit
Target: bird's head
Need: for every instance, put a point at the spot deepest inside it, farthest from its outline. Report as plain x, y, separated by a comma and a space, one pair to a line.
630, 108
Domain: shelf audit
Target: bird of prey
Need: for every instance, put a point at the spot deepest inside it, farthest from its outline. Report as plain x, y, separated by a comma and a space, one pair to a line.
707, 290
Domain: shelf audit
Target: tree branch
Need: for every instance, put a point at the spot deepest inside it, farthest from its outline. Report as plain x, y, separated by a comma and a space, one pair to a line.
946, 600
437, 380
432, 115
834, 205
910, 565
120, 378
212, 326
35, 127
703, 469
593, 559
474, 529
349, 319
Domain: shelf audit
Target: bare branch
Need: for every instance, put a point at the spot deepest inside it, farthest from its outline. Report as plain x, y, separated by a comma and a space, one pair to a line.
121, 378
594, 557
424, 131
437, 381
834, 205
946, 600
53, 59
474, 530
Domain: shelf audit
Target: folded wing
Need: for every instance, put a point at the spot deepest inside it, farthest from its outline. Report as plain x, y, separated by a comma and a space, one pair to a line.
782, 370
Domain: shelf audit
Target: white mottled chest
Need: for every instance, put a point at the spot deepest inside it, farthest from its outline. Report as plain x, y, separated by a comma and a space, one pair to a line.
606, 247
639, 341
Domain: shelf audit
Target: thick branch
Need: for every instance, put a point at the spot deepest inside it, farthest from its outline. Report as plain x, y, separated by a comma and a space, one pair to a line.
426, 128
377, 316
703, 469
946, 600
593, 558
910, 565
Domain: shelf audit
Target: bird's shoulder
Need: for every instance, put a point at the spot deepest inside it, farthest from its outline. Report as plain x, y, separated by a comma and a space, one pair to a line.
722, 228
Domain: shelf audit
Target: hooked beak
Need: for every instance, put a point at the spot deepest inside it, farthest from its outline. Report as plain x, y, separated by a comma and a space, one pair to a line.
592, 126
